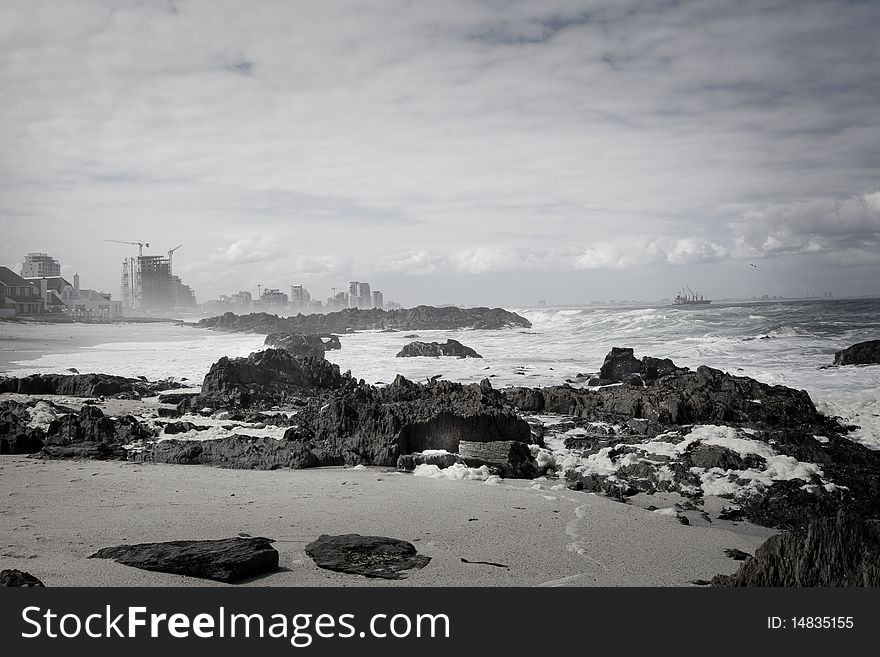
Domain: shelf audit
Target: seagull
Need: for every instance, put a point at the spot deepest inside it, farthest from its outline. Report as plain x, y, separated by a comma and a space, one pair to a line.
752, 264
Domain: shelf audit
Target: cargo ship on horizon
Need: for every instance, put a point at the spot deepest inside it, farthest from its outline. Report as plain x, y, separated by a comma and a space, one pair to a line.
687, 297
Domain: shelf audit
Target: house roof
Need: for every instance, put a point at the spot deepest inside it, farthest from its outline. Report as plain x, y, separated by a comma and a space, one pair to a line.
9, 277
57, 283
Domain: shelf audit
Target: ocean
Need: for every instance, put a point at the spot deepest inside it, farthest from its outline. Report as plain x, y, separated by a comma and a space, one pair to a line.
779, 342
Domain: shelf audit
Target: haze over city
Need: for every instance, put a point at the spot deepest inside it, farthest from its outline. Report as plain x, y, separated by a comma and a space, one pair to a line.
459, 152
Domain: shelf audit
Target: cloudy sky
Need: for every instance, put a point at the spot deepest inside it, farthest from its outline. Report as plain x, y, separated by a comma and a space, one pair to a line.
493, 152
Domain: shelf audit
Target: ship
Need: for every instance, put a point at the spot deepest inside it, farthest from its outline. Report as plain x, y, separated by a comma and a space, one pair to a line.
687, 297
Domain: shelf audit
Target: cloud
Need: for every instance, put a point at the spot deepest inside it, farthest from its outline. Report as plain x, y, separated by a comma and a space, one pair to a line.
814, 226
458, 136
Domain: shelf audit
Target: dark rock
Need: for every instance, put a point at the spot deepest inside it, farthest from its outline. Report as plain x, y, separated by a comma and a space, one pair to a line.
91, 434
182, 427
528, 400
620, 365
409, 462
434, 349
344, 321
839, 551
266, 379
737, 555
510, 457
239, 452
370, 556
224, 560
863, 353
304, 346
18, 578
713, 456
176, 397
82, 385
331, 342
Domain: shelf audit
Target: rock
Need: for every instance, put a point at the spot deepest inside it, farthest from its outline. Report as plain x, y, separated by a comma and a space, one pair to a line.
713, 456
737, 555
370, 556
409, 462
18, 432
344, 321
182, 427
266, 379
332, 342
304, 346
863, 353
620, 365
18, 578
176, 397
224, 560
434, 349
83, 385
528, 400
839, 551
91, 434
512, 458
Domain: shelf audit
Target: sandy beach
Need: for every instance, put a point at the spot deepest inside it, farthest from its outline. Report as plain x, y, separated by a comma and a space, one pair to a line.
56, 513
30, 339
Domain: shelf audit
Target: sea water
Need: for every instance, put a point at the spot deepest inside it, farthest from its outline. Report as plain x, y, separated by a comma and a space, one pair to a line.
781, 342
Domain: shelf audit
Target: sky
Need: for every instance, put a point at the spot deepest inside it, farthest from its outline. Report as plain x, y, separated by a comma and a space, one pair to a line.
494, 152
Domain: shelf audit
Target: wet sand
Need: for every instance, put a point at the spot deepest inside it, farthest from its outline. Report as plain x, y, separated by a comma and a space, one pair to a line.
54, 514
29, 339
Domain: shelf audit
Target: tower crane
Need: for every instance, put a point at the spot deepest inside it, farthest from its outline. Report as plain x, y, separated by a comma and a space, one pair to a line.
140, 245
171, 253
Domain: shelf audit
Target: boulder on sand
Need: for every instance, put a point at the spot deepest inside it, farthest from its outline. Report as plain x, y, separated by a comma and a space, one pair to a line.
370, 556
18, 578
512, 458
863, 353
435, 349
224, 560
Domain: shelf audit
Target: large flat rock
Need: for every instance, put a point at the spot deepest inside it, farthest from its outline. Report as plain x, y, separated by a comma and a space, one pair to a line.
370, 556
224, 560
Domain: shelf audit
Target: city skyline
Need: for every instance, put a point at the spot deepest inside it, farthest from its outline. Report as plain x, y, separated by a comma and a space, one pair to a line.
481, 154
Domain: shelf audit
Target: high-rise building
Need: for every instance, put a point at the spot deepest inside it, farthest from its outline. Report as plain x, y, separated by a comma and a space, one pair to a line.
378, 299
299, 298
182, 295
38, 265
146, 283
365, 298
353, 294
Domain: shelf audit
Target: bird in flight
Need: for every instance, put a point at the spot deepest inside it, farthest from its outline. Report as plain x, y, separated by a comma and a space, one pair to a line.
752, 264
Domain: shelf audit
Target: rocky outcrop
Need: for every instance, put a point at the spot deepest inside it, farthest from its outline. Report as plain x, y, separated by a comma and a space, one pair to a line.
863, 353
224, 560
370, 556
621, 365
766, 448
18, 578
357, 423
55, 431
442, 459
349, 319
265, 379
839, 551
303, 346
435, 349
84, 385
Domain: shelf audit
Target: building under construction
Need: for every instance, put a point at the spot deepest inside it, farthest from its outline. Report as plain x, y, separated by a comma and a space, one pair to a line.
146, 283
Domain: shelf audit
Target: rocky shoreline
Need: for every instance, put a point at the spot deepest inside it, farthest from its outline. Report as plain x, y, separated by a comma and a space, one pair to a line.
642, 427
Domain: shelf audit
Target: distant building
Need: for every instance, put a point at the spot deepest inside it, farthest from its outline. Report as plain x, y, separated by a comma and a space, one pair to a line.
242, 302
146, 283
378, 299
62, 297
365, 298
18, 296
337, 302
273, 297
300, 299
353, 294
37, 265
182, 295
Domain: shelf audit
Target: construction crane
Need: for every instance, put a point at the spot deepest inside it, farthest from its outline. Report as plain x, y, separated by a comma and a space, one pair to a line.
140, 245
171, 253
